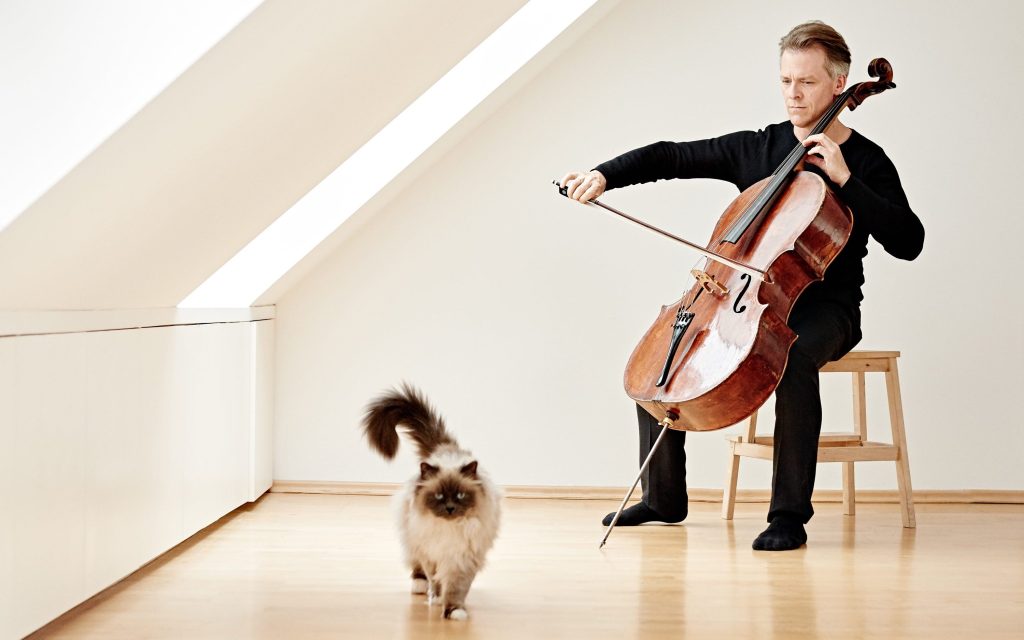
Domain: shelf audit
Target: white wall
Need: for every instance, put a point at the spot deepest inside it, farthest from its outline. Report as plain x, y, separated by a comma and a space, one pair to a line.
515, 310
116, 445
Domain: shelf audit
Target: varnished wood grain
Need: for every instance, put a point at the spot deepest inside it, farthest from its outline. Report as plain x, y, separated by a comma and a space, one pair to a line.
325, 566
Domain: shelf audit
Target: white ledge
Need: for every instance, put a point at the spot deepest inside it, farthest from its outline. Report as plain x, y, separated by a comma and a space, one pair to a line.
31, 323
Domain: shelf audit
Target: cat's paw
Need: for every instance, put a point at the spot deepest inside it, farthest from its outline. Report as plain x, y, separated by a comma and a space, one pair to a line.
419, 585
456, 613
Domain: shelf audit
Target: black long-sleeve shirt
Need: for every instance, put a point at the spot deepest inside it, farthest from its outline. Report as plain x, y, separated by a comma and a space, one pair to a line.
873, 192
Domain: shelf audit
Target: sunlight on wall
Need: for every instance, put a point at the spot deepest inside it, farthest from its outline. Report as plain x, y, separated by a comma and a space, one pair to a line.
284, 243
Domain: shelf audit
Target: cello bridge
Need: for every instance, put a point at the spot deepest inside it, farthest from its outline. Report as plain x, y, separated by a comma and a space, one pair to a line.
709, 284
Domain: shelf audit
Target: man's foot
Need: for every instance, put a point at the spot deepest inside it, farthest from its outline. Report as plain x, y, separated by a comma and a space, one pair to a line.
638, 514
783, 534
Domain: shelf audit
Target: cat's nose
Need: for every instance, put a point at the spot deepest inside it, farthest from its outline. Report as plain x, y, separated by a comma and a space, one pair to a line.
450, 508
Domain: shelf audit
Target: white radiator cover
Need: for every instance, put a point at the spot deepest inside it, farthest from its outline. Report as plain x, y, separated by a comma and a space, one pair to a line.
116, 445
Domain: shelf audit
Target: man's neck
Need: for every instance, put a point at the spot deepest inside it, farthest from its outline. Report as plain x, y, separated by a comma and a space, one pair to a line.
837, 131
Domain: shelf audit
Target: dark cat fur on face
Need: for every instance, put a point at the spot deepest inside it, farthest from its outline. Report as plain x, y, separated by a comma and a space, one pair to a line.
448, 514
447, 495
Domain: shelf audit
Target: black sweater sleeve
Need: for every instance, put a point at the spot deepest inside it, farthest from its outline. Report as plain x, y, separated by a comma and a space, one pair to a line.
713, 158
884, 210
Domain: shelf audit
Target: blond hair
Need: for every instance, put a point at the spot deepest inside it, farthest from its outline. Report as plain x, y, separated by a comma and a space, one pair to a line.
818, 34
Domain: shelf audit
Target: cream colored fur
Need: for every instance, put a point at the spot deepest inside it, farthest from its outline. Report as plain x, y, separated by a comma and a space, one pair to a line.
450, 551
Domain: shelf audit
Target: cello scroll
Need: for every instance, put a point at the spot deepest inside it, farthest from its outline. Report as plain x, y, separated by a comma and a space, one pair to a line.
877, 68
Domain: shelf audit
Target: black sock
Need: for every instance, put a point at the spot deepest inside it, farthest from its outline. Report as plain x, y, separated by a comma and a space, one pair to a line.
638, 514
783, 534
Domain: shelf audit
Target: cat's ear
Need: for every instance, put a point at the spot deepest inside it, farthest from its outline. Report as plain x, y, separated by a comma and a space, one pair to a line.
427, 470
469, 470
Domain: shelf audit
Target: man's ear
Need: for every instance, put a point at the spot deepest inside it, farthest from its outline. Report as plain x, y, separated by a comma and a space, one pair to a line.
427, 470
839, 86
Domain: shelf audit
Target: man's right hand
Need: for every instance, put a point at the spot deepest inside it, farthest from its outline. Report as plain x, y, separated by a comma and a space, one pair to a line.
583, 185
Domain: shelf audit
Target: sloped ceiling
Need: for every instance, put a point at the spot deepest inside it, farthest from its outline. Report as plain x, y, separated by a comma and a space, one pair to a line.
74, 72
235, 141
589, 15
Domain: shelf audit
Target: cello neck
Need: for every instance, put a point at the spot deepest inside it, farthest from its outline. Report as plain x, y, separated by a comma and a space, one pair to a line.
796, 156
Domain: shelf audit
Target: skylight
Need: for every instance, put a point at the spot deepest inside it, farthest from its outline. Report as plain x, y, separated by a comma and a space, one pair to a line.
270, 255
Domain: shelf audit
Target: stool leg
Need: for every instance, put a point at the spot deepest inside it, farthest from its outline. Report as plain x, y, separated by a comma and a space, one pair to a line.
729, 495
860, 425
899, 438
752, 428
860, 407
849, 502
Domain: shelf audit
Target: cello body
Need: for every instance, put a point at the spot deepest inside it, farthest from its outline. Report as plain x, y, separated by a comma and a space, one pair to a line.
733, 352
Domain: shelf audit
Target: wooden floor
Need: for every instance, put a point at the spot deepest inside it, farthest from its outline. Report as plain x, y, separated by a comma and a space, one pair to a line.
325, 566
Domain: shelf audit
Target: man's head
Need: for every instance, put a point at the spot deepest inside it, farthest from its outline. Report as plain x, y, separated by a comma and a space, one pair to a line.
813, 64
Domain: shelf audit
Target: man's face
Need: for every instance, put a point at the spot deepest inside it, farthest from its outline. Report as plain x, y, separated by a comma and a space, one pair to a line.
806, 85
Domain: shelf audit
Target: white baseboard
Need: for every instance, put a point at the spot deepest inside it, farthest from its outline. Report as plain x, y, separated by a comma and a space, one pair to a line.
966, 496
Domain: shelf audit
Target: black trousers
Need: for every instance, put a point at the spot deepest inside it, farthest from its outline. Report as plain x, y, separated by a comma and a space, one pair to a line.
826, 332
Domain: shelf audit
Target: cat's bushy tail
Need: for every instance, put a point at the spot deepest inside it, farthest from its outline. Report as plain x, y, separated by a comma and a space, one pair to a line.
407, 408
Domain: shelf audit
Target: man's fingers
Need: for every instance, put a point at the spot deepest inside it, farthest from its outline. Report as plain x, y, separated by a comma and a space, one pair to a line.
583, 186
572, 176
576, 187
821, 139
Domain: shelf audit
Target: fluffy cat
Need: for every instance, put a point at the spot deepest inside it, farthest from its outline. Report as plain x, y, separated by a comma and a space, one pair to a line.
448, 514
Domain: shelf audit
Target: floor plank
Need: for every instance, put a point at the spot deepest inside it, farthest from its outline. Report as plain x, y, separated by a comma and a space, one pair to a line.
328, 566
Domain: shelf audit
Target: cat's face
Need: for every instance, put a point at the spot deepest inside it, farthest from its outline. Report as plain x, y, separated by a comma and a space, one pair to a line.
448, 493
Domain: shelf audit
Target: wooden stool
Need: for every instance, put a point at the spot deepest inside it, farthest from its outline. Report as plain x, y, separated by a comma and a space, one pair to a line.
842, 447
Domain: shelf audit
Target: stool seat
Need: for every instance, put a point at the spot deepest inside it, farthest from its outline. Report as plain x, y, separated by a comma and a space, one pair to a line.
842, 447
863, 361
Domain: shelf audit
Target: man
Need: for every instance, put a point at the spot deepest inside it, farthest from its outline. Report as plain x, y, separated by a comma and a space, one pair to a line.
814, 63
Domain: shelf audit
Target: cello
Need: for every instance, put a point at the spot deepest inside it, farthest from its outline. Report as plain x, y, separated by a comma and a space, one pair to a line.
714, 356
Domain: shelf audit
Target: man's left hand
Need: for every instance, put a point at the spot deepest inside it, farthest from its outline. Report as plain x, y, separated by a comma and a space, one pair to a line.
826, 155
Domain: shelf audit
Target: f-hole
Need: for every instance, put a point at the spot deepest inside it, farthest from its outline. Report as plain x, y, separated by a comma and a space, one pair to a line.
746, 283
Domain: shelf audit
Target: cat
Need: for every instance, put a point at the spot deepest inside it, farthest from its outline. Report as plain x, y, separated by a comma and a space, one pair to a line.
449, 513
